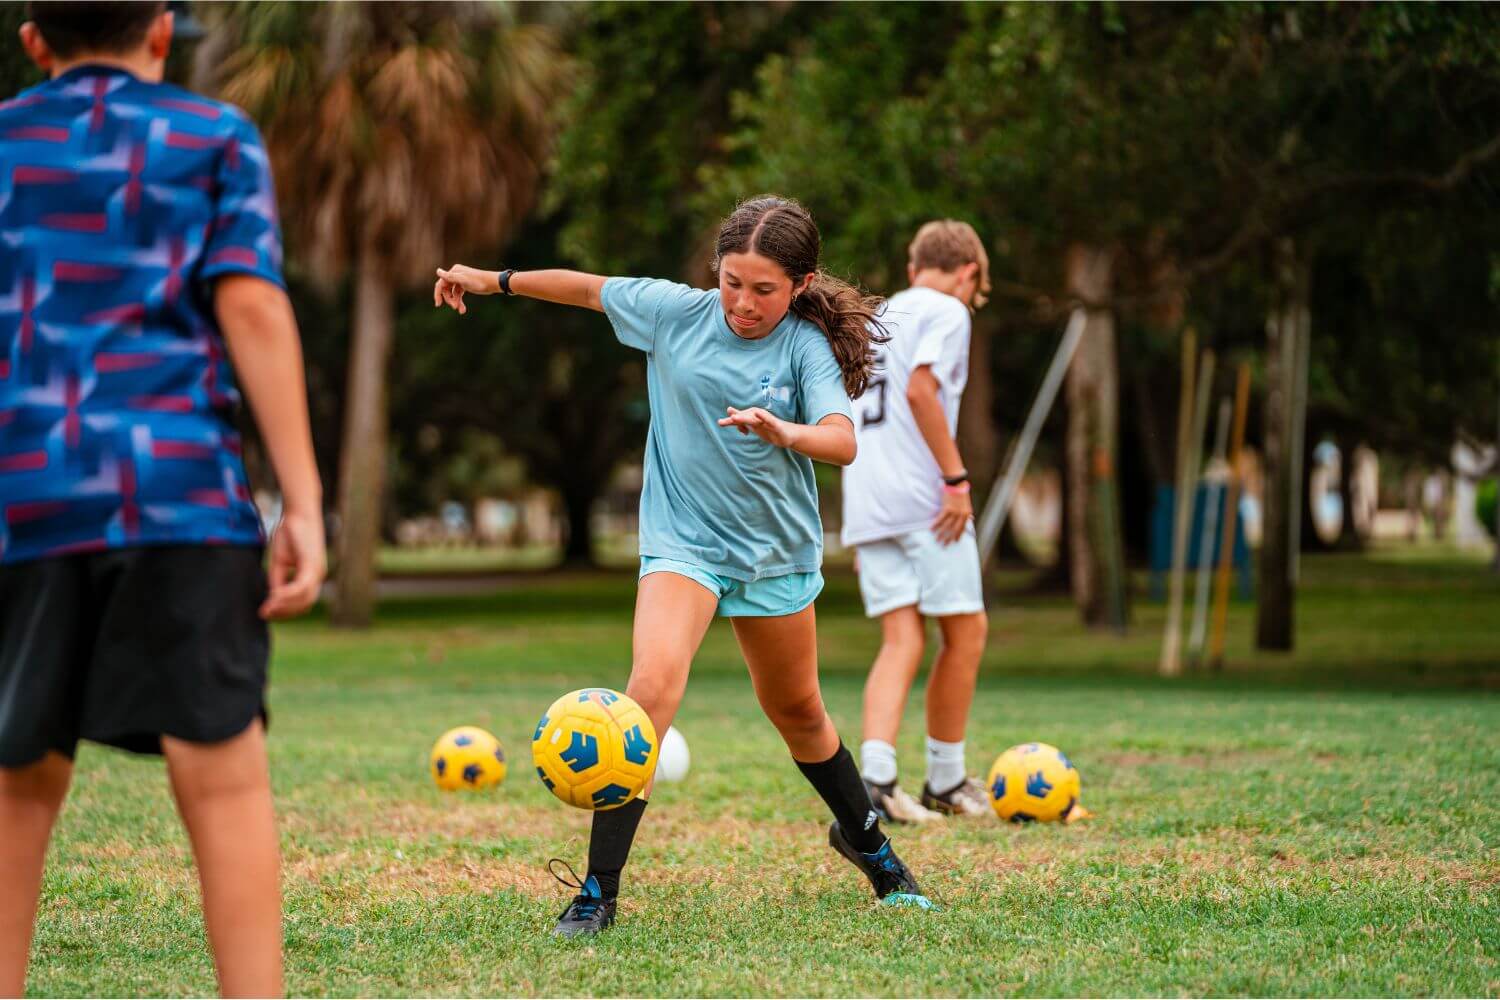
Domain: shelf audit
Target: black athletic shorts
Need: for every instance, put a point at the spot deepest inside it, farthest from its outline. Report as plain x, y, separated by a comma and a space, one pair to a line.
126, 646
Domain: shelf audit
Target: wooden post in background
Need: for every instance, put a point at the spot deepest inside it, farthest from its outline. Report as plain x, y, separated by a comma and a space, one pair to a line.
1231, 516
1194, 408
1208, 534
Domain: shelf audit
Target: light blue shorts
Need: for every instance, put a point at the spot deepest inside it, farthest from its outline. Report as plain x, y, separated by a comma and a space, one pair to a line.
771, 597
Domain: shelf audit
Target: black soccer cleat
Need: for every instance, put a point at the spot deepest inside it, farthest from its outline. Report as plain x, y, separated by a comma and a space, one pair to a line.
588, 913
892, 881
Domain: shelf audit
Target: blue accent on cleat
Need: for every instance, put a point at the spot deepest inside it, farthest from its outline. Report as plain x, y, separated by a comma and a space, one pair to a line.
588, 913
887, 875
908, 899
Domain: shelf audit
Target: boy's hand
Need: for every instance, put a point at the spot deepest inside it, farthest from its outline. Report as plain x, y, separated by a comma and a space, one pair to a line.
299, 561
953, 519
763, 424
453, 282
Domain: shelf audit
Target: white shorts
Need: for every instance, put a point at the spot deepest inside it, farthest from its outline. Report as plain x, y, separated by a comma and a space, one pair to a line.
915, 568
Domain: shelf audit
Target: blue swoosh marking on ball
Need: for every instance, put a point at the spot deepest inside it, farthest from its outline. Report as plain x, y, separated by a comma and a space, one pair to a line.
637, 747
582, 752
610, 795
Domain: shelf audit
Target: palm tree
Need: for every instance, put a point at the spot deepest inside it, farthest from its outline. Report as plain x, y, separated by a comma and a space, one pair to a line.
400, 134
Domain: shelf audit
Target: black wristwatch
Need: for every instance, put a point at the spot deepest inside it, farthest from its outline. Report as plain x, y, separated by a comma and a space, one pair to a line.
961, 478
505, 280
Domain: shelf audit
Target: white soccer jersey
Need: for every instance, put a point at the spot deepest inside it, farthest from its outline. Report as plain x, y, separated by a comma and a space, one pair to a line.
894, 484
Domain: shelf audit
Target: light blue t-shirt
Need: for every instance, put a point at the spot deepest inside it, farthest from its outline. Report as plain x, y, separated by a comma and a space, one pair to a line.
728, 502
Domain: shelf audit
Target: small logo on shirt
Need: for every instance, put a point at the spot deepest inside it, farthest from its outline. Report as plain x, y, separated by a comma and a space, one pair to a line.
773, 393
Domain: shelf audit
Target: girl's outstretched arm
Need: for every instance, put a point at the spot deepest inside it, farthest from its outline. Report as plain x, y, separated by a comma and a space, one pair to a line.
830, 440
569, 288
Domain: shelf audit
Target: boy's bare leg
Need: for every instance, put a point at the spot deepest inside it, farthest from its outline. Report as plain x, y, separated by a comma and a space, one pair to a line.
895, 667
950, 689
223, 791
30, 798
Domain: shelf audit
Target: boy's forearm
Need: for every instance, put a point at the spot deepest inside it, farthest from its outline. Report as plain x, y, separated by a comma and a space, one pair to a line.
932, 422
260, 332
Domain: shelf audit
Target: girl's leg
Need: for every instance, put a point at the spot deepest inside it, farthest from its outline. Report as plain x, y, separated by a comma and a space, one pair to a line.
672, 613
782, 654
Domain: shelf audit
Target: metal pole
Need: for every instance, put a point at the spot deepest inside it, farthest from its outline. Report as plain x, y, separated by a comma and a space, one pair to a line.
998, 507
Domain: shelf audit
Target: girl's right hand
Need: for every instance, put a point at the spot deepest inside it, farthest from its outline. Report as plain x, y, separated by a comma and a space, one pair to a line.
453, 282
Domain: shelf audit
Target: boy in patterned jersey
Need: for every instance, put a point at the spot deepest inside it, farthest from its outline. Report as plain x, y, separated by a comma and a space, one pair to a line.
141, 257
908, 516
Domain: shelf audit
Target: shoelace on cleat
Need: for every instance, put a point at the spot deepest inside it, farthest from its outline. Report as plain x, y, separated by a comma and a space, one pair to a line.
585, 902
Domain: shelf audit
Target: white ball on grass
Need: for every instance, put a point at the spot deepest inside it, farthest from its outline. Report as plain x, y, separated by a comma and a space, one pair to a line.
672, 762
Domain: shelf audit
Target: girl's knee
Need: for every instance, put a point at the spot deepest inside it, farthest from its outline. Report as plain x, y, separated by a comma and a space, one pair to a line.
657, 685
800, 715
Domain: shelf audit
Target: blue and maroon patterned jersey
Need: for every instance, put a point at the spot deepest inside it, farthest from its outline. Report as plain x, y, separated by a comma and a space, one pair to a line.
120, 202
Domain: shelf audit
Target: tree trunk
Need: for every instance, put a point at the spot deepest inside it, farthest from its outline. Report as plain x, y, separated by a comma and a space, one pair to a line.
1288, 321
1096, 556
1351, 537
977, 437
362, 468
1495, 528
1055, 577
578, 504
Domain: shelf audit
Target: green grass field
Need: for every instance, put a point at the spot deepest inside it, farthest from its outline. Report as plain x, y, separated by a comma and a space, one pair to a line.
1324, 824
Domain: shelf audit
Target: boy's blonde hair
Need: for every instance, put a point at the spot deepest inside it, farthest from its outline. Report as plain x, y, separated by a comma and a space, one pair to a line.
948, 245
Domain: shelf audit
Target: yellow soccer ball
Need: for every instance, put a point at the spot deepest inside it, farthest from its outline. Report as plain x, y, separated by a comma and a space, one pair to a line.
467, 757
595, 749
1033, 782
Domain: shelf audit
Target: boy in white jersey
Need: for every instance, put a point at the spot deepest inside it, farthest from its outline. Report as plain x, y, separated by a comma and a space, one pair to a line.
908, 515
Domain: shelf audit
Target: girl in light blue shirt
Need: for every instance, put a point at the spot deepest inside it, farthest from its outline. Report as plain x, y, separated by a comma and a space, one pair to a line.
749, 384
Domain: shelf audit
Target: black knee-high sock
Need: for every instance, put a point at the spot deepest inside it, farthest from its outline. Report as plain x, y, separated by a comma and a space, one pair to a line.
837, 780
609, 844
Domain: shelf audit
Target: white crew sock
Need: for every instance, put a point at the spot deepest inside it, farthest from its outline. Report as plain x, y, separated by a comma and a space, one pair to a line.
945, 765
877, 762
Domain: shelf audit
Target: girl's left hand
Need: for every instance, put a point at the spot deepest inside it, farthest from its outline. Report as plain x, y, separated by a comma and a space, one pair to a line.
763, 424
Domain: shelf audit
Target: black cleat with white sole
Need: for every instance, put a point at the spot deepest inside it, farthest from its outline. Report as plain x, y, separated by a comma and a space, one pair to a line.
892, 881
588, 913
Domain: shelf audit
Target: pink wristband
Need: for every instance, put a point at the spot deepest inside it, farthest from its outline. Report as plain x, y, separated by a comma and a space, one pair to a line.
962, 487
